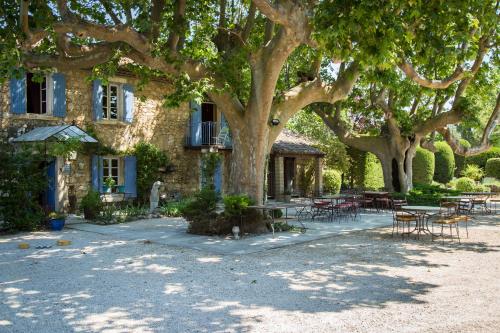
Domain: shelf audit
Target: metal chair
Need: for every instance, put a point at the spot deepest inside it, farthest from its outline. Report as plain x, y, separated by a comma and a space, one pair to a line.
444, 221
463, 213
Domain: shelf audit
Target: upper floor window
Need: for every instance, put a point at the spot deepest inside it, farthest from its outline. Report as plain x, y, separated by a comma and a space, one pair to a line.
111, 101
37, 95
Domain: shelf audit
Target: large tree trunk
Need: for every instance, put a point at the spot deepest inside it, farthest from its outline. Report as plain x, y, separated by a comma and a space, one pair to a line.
248, 161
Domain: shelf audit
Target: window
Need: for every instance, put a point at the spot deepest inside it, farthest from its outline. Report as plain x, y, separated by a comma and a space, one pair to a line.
111, 168
37, 94
110, 101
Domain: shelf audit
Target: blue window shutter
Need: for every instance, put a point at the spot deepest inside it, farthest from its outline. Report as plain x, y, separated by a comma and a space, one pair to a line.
59, 105
97, 173
218, 178
97, 100
52, 186
18, 95
128, 103
195, 126
130, 171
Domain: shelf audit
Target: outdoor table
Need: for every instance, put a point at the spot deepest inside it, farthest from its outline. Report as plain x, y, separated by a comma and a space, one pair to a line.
285, 206
422, 212
457, 197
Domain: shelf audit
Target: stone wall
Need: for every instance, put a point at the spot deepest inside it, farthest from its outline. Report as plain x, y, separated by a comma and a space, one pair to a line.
152, 122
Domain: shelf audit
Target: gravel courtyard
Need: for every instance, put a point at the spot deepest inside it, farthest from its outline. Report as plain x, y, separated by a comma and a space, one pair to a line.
362, 281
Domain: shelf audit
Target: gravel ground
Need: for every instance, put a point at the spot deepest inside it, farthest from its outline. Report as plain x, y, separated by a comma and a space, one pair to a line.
363, 281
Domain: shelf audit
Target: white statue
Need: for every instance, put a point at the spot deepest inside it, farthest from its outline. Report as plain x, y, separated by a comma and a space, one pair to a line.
154, 197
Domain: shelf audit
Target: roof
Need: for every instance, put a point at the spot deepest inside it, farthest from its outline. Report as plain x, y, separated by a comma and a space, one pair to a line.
62, 133
292, 143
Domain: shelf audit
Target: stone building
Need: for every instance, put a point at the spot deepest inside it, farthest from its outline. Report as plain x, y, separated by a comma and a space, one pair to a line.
119, 115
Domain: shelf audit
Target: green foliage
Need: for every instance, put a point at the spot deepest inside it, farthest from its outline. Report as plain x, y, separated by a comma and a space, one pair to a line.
65, 148
150, 161
203, 203
427, 195
236, 205
493, 168
444, 162
465, 184
423, 167
332, 180
306, 177
91, 203
481, 159
210, 162
366, 171
23, 179
473, 171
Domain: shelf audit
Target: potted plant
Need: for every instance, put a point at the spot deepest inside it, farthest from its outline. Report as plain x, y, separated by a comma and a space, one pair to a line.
57, 221
287, 195
109, 183
91, 205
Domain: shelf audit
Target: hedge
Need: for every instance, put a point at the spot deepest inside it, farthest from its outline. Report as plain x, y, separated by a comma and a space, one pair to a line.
460, 160
331, 181
444, 165
493, 167
366, 170
423, 167
465, 184
481, 159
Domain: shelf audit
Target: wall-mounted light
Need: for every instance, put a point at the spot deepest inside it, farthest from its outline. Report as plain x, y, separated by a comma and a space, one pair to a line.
275, 122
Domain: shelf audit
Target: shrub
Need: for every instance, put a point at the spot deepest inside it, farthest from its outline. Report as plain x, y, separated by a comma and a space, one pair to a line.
481, 159
366, 170
473, 171
174, 208
444, 163
23, 180
332, 180
236, 205
423, 167
493, 168
465, 184
203, 204
427, 195
306, 178
209, 163
460, 160
91, 205
150, 162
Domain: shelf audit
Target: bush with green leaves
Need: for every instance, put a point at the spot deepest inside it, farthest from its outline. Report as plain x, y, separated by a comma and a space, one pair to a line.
332, 180
481, 159
493, 167
465, 184
91, 204
460, 162
423, 167
210, 162
366, 171
444, 163
473, 171
426, 195
203, 204
174, 208
23, 179
236, 205
150, 161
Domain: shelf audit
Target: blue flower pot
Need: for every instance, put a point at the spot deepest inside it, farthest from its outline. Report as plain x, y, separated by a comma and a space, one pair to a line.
57, 224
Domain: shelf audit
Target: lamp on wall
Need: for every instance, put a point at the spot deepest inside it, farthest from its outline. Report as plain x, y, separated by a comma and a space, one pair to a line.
275, 122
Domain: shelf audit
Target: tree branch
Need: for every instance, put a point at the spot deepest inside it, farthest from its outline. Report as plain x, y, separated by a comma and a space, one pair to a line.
411, 73
249, 23
485, 143
276, 14
174, 37
156, 15
109, 10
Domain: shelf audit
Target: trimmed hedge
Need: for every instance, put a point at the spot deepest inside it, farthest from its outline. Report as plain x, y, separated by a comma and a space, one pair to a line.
481, 159
444, 165
366, 170
465, 184
423, 167
493, 168
331, 181
460, 160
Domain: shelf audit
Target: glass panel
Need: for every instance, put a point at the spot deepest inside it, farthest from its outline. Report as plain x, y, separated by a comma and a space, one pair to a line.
114, 163
113, 102
44, 97
104, 101
105, 162
114, 172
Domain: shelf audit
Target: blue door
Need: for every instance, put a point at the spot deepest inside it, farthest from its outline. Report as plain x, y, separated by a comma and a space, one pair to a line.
52, 186
218, 178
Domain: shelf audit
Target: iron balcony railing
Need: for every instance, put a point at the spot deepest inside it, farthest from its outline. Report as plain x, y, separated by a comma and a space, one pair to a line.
208, 133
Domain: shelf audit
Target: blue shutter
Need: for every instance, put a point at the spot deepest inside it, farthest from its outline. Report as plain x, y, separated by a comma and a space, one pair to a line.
128, 103
18, 95
218, 178
52, 186
195, 126
97, 100
224, 124
97, 173
59, 105
130, 171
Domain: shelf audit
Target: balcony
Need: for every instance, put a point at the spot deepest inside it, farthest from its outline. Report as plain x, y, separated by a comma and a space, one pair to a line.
208, 134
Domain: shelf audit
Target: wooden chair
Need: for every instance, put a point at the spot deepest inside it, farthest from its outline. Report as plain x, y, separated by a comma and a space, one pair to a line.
400, 217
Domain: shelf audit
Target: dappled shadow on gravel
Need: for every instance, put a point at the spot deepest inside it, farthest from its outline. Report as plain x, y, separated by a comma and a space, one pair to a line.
103, 283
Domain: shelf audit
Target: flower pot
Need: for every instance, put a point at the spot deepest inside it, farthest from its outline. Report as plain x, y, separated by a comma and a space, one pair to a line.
120, 188
106, 189
57, 224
